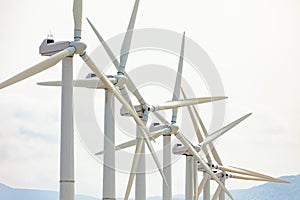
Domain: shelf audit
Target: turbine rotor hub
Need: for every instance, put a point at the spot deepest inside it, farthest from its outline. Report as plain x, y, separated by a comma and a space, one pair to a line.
121, 80
79, 46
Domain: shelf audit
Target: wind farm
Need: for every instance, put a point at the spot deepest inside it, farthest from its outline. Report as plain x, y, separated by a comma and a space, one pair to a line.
200, 155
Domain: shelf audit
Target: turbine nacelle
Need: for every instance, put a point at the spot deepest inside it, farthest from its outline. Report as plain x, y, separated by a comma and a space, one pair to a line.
221, 175
180, 149
157, 127
138, 109
49, 47
168, 129
200, 167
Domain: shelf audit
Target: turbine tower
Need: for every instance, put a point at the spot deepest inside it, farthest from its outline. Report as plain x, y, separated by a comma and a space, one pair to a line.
109, 185
61, 51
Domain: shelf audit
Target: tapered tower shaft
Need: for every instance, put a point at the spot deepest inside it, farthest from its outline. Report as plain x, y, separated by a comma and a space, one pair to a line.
109, 185
66, 186
222, 193
167, 168
189, 165
140, 182
206, 189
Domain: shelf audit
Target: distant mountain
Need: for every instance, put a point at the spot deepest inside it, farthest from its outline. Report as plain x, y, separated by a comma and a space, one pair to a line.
268, 191
8, 193
271, 191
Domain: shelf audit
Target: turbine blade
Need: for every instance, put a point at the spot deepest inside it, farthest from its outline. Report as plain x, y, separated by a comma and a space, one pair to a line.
200, 121
132, 143
191, 149
211, 146
161, 118
202, 184
77, 15
218, 133
105, 46
85, 83
215, 154
252, 173
135, 163
127, 40
124, 145
257, 179
192, 116
133, 167
131, 111
198, 133
176, 92
49, 62
217, 193
129, 83
187, 102
50, 83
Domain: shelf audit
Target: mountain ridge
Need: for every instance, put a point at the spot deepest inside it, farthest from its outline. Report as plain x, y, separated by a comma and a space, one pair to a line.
267, 191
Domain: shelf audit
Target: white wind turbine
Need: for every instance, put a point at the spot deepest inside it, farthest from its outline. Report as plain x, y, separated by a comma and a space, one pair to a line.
243, 174
93, 82
204, 185
223, 176
191, 170
64, 51
61, 51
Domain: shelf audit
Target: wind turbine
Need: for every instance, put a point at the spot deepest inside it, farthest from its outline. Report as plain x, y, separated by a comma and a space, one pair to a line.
61, 51
64, 51
109, 124
245, 175
223, 176
205, 184
182, 150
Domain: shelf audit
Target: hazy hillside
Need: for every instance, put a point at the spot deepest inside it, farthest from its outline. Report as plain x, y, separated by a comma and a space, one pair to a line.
272, 191
268, 191
8, 193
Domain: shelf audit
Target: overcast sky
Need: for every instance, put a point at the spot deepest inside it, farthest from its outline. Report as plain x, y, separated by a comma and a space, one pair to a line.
254, 45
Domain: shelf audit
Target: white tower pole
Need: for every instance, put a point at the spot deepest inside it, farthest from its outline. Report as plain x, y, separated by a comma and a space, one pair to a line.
222, 193
206, 189
189, 177
167, 168
195, 180
109, 186
140, 181
66, 187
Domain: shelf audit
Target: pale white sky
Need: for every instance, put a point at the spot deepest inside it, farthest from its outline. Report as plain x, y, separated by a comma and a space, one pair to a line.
254, 45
